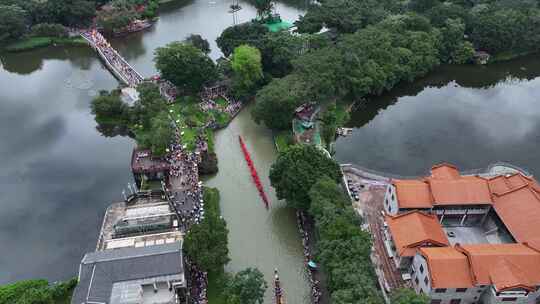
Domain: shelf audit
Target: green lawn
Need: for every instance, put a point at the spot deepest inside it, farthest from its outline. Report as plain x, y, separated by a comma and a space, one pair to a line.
283, 140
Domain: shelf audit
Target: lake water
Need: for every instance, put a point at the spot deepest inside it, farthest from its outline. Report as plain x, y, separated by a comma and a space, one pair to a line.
470, 116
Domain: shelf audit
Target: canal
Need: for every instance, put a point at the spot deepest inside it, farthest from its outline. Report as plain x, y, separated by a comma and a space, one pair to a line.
59, 173
470, 116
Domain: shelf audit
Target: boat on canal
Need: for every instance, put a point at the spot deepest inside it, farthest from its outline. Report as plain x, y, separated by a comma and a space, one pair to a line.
254, 174
278, 290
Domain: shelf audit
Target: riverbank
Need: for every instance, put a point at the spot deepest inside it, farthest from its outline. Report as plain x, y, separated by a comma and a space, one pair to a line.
32, 43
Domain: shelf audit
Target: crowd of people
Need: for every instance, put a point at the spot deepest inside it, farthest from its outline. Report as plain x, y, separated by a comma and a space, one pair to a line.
199, 283
113, 58
315, 284
232, 108
185, 189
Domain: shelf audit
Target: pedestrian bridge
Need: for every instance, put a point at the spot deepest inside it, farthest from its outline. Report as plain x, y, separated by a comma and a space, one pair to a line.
113, 60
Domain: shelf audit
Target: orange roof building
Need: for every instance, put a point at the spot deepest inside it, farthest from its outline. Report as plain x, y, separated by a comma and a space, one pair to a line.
490, 272
415, 229
447, 267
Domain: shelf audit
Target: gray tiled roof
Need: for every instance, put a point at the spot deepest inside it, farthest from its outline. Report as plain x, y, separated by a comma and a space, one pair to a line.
100, 269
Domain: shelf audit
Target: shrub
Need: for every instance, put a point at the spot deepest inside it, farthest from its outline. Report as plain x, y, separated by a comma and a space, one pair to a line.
49, 30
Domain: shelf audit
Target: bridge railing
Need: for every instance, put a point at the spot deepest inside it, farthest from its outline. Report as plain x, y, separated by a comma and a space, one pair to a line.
118, 71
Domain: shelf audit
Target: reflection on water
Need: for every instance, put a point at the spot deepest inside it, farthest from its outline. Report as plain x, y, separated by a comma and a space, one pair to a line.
258, 237
467, 115
58, 173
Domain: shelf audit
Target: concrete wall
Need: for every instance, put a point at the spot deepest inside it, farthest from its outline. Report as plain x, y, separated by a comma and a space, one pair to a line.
390, 200
490, 297
471, 295
418, 277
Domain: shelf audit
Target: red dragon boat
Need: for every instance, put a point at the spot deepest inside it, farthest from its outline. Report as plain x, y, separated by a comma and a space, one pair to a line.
254, 174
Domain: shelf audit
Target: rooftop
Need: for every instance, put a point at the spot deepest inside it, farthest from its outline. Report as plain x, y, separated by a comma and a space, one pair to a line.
414, 229
151, 213
100, 271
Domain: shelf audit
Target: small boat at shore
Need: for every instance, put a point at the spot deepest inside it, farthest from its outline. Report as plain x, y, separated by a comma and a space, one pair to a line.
278, 290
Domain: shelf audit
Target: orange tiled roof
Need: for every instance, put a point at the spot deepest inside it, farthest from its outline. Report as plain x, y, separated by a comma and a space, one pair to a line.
448, 268
463, 190
444, 171
503, 265
519, 209
413, 194
445, 186
415, 229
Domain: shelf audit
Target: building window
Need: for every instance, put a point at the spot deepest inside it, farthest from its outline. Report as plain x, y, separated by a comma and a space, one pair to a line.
435, 301
386, 202
416, 281
393, 197
440, 290
426, 280
421, 268
455, 301
461, 289
508, 299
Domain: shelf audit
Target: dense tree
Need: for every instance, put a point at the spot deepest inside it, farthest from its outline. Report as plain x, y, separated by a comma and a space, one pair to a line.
49, 30
36, 292
506, 30
279, 50
185, 66
199, 42
275, 103
344, 249
246, 287
206, 243
331, 120
346, 16
246, 33
263, 7
247, 69
297, 169
150, 103
323, 73
109, 109
12, 22
408, 296
453, 48
158, 135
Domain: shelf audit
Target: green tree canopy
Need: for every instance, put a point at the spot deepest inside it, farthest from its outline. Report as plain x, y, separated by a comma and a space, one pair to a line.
246, 33
408, 296
110, 109
185, 66
263, 7
346, 16
247, 69
36, 292
331, 119
199, 42
297, 169
344, 249
12, 22
275, 103
246, 287
157, 136
206, 243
